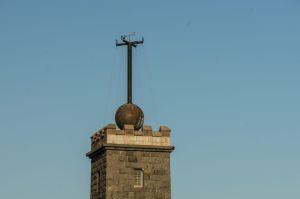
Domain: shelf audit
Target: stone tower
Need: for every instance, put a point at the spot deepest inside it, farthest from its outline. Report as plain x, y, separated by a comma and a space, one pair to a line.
129, 160
130, 164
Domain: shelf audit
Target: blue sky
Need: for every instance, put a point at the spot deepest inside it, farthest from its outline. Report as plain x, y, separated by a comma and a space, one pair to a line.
223, 75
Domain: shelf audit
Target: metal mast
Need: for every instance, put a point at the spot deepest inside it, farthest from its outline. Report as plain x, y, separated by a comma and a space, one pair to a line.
129, 44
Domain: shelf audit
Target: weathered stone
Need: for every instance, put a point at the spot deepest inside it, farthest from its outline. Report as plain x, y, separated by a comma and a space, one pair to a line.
157, 134
120, 154
110, 126
138, 133
132, 159
128, 127
165, 131
147, 128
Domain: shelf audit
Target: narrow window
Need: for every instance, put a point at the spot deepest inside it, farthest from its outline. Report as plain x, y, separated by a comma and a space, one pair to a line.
138, 178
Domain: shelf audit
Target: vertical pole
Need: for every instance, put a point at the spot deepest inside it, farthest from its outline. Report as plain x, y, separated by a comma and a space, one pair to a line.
129, 73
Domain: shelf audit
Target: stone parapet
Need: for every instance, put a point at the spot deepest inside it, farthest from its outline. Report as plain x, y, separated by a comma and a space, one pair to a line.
146, 136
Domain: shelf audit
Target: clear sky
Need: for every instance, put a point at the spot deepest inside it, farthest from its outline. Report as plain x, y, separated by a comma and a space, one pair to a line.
223, 75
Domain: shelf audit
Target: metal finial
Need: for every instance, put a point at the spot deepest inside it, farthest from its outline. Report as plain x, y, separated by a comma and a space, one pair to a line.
129, 113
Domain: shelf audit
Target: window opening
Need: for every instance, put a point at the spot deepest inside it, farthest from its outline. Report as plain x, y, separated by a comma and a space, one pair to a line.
138, 178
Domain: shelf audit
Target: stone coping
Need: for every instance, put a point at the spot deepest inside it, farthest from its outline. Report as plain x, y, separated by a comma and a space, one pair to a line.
145, 136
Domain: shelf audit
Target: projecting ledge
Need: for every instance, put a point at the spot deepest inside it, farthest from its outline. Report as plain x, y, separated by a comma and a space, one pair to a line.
126, 147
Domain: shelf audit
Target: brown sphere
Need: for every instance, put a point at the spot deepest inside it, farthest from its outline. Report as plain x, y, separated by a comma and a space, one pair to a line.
129, 114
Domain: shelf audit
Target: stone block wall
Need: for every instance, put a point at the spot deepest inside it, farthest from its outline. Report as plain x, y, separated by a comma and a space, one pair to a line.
116, 155
120, 174
98, 176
